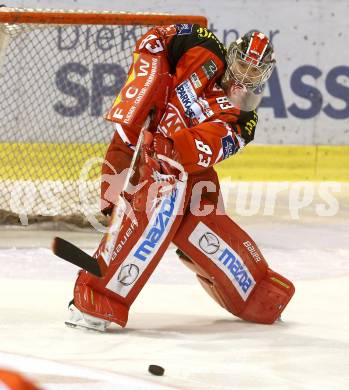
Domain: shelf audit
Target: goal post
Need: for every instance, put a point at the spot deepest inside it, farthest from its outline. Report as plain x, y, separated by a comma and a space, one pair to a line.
79, 17
59, 73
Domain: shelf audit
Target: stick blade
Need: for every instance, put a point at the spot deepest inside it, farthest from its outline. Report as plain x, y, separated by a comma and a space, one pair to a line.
71, 253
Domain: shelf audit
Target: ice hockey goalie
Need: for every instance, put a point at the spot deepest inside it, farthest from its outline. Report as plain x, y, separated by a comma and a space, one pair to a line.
203, 99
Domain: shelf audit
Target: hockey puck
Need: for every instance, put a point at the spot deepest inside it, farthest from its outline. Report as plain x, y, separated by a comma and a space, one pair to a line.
156, 370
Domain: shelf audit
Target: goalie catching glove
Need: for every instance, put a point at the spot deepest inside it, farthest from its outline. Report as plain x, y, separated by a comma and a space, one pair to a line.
157, 174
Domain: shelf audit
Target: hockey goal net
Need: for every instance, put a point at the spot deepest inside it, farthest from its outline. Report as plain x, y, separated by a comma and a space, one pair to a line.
59, 73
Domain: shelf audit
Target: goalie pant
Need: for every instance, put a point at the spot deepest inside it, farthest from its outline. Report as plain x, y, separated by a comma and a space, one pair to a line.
227, 261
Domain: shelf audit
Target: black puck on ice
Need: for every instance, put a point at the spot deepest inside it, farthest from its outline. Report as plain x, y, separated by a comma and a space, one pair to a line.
156, 370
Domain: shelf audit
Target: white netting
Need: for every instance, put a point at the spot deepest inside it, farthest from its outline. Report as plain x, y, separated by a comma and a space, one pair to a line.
56, 83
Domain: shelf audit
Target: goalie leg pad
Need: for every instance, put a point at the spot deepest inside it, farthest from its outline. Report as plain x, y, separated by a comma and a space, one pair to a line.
96, 303
140, 244
203, 278
231, 268
269, 299
114, 169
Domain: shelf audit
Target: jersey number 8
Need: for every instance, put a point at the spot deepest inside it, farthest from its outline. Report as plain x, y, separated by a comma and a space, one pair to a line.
204, 159
224, 103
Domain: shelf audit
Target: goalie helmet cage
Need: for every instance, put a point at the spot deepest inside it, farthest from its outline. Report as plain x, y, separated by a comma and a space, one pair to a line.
59, 73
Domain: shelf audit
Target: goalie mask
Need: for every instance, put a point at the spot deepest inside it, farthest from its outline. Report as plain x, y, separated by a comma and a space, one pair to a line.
250, 61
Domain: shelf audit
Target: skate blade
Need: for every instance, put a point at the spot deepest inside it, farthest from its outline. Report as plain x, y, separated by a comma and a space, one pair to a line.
84, 327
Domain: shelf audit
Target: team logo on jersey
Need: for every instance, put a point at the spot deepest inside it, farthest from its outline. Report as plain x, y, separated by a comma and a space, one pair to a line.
229, 146
128, 274
184, 29
194, 78
209, 243
171, 121
186, 94
209, 68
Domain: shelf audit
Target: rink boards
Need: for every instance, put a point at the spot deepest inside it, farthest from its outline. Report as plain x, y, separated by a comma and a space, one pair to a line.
45, 161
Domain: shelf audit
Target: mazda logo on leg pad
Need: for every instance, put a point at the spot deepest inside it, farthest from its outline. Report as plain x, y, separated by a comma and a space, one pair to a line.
209, 243
128, 274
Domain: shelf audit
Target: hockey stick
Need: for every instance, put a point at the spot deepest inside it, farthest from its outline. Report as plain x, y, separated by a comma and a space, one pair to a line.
120, 209
71, 253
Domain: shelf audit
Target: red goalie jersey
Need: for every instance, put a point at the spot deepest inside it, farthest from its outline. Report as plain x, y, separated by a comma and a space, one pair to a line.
203, 124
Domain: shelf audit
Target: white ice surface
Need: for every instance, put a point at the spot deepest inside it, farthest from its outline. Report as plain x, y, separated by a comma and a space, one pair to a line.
174, 323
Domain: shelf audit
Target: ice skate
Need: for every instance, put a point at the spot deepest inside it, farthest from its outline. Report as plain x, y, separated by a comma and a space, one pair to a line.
78, 319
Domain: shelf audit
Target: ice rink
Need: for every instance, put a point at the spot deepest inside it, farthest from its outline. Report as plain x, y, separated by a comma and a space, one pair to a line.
175, 324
